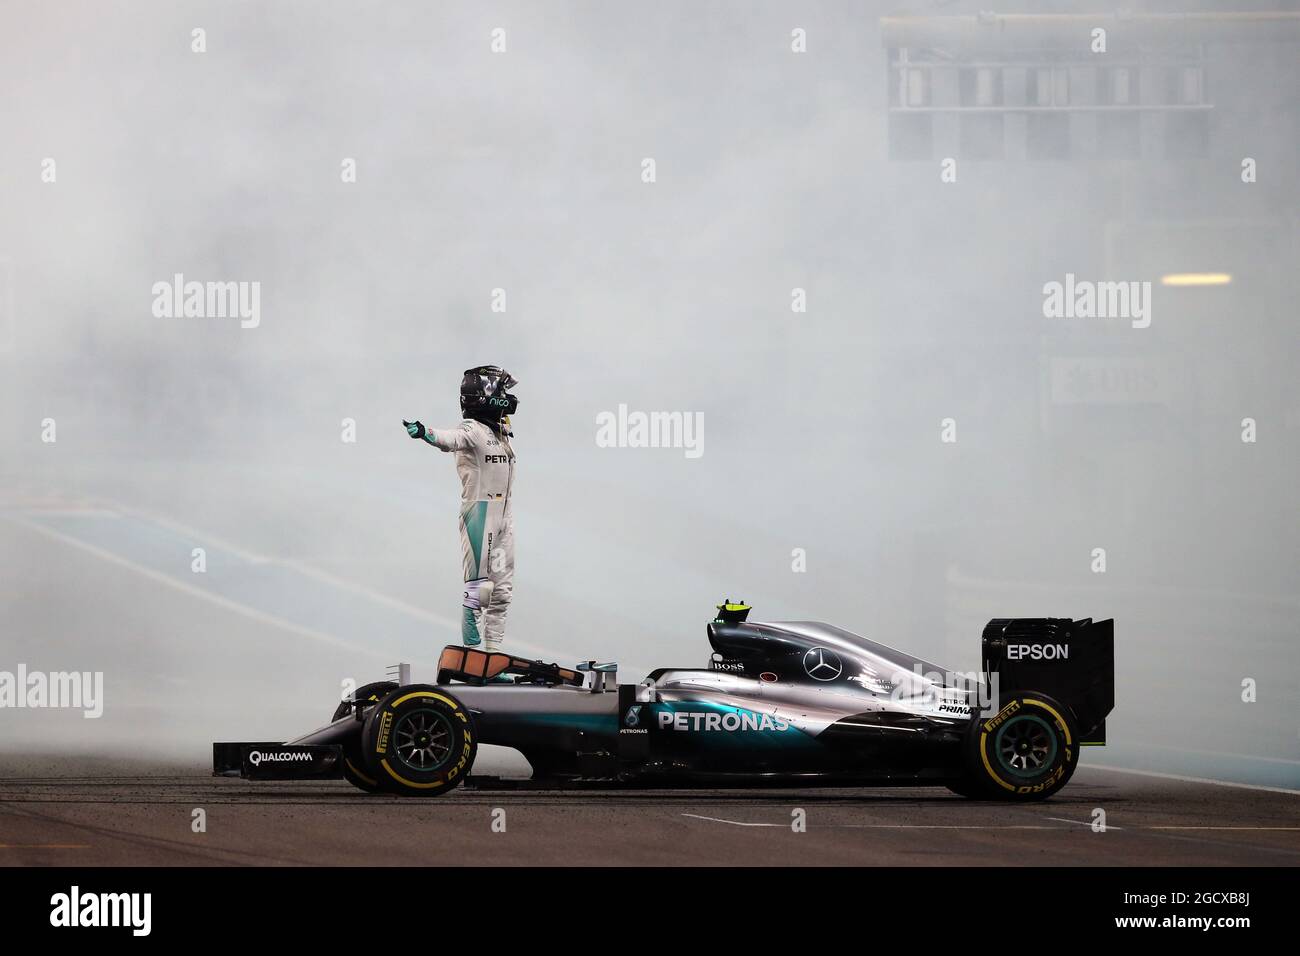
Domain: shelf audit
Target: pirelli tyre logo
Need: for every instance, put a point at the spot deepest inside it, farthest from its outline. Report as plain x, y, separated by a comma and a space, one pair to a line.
1002, 715
385, 725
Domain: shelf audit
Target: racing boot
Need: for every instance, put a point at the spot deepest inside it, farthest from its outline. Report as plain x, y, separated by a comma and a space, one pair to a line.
478, 594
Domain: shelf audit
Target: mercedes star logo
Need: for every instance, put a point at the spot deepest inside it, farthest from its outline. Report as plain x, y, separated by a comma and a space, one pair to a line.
821, 663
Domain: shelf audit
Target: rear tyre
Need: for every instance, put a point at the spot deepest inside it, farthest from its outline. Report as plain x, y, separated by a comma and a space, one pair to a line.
418, 741
367, 695
1027, 751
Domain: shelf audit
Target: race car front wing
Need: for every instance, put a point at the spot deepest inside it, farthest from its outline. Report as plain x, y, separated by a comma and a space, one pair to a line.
277, 761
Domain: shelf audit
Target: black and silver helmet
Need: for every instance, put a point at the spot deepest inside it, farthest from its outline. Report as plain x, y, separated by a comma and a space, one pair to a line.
484, 393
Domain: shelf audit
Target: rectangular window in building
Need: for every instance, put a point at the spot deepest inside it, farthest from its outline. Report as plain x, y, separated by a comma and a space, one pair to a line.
1187, 134
981, 86
1120, 86
1040, 87
1049, 86
1048, 136
1119, 135
981, 135
1193, 92
918, 88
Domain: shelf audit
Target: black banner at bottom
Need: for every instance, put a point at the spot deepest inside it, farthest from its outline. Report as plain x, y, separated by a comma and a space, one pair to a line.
919, 905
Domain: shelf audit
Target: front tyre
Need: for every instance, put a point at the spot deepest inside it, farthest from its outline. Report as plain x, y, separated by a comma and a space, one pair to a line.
418, 741
1027, 751
353, 762
364, 696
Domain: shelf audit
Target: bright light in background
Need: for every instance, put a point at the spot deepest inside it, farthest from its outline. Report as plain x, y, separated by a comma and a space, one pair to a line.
1196, 278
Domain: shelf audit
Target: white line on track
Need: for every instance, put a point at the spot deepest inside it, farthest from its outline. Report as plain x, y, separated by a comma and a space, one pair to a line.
1108, 827
877, 826
1088, 823
734, 823
957, 826
1212, 753
1184, 779
1081, 823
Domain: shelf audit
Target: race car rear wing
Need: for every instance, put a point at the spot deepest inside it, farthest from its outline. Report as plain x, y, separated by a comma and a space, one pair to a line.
1072, 661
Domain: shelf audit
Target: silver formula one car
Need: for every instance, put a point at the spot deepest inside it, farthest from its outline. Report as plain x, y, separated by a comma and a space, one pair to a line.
779, 704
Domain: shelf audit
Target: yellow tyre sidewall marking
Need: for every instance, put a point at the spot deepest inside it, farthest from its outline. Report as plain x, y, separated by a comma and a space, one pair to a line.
989, 769
984, 738
410, 783
424, 693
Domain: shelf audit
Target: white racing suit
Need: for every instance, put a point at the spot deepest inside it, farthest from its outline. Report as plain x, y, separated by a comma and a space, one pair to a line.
486, 465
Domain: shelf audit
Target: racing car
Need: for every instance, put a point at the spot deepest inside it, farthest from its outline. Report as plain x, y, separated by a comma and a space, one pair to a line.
786, 704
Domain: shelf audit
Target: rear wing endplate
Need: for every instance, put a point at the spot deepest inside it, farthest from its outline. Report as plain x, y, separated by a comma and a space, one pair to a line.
1072, 661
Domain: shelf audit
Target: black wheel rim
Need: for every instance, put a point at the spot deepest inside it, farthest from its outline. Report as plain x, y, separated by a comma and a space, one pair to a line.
1026, 746
422, 739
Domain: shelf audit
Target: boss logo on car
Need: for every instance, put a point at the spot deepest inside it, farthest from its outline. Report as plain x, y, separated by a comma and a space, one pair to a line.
1038, 652
731, 722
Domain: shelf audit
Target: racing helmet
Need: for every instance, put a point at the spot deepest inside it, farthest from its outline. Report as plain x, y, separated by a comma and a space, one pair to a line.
485, 396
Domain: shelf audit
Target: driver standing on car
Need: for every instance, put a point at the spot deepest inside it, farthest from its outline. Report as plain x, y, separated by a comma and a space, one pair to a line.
486, 465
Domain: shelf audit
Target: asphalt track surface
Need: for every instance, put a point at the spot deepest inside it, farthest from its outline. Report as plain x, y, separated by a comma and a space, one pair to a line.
145, 819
